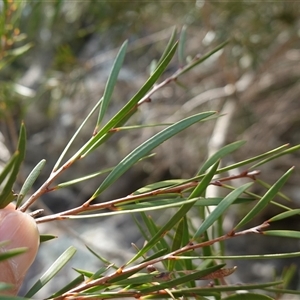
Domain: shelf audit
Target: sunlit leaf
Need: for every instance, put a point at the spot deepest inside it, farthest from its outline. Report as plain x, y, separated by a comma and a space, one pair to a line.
181, 46
220, 209
11, 253
30, 181
52, 271
111, 82
146, 147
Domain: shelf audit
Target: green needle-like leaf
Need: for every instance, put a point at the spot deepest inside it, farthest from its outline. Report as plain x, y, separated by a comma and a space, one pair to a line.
263, 202
11, 253
252, 159
220, 209
47, 237
146, 147
30, 181
52, 271
177, 242
276, 155
170, 44
181, 46
220, 154
284, 215
111, 82
283, 233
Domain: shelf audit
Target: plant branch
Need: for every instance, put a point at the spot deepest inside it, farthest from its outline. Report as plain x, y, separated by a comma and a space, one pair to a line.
131, 198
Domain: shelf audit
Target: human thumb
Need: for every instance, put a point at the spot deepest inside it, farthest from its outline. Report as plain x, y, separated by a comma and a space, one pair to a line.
21, 231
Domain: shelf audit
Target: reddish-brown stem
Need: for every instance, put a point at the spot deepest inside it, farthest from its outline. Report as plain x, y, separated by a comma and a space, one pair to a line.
112, 205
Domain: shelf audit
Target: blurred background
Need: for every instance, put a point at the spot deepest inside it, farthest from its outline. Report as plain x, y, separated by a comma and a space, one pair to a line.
56, 57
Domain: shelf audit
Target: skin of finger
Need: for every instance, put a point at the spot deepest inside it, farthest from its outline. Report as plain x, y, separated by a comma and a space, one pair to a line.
21, 230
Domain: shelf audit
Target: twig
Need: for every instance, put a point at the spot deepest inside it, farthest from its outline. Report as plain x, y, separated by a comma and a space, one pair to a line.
130, 198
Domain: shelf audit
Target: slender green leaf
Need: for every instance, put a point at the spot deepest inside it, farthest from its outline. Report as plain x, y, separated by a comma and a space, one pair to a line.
176, 242
85, 273
47, 237
30, 181
83, 178
220, 209
220, 154
283, 233
146, 147
263, 202
268, 186
11, 253
252, 159
111, 82
153, 229
52, 271
198, 190
181, 46
169, 46
238, 287
185, 240
284, 215
243, 257
178, 215
276, 155
117, 129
